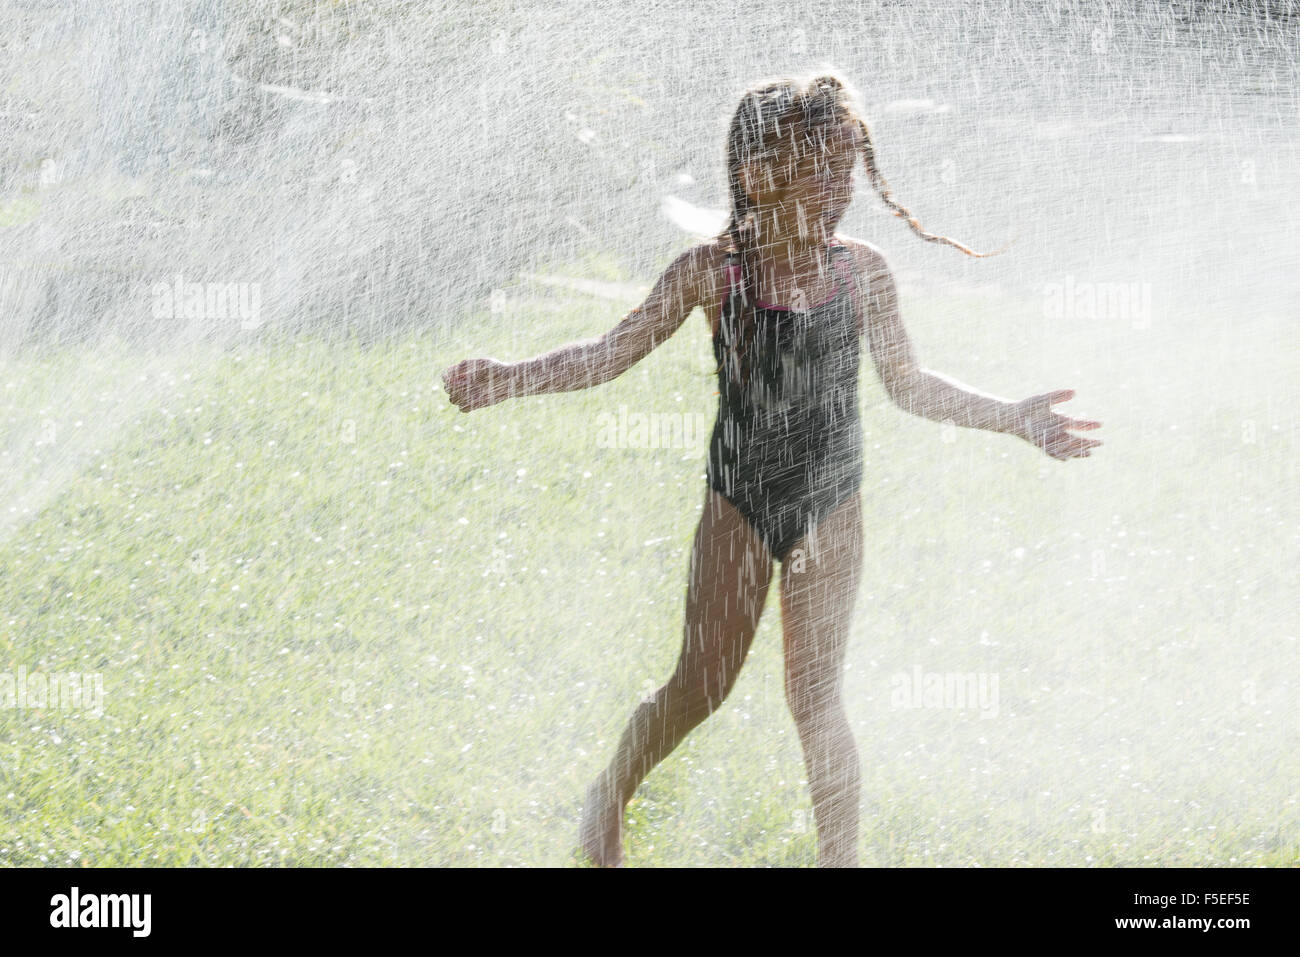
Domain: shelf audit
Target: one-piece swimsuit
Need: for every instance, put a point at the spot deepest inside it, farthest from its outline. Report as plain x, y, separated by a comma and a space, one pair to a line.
786, 448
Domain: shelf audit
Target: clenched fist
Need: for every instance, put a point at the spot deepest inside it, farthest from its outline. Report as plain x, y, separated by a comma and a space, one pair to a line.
477, 383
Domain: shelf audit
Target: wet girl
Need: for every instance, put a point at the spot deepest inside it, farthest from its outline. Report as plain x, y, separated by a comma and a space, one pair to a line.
788, 301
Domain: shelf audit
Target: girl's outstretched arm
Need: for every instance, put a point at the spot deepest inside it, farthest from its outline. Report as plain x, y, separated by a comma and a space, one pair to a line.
936, 396
477, 383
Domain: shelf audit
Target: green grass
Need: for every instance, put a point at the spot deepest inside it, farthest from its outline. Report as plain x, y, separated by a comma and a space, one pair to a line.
340, 623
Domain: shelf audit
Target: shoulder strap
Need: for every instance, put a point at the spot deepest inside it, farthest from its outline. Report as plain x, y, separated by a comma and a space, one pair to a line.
732, 270
842, 258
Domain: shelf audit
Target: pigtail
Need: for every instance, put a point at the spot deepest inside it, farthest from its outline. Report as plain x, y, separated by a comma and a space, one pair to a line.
882, 189
744, 141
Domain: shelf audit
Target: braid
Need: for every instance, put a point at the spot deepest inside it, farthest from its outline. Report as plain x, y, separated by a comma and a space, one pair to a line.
882, 188
745, 140
742, 332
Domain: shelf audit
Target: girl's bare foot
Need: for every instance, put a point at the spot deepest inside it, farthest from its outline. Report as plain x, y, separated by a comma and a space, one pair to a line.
601, 833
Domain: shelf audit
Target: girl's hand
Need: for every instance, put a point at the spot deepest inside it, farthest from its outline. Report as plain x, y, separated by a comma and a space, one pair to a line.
477, 383
1039, 425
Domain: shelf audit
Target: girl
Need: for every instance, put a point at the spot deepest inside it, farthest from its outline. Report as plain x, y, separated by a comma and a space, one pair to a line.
785, 458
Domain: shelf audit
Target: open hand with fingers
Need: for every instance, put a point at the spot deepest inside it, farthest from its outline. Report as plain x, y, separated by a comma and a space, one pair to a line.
1038, 424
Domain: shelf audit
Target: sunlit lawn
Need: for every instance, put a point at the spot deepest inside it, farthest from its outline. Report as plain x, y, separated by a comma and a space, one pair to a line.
340, 623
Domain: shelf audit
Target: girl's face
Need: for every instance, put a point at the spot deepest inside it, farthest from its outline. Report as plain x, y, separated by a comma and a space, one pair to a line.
815, 175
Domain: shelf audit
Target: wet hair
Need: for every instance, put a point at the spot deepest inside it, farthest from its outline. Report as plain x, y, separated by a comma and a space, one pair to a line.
786, 117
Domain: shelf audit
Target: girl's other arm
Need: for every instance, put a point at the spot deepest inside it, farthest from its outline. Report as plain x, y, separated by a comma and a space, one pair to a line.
476, 383
933, 395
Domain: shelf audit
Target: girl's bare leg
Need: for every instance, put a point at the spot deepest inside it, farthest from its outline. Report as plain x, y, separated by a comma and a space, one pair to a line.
816, 605
730, 571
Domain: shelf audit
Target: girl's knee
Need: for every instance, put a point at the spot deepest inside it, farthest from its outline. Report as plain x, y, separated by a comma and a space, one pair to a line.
700, 694
816, 703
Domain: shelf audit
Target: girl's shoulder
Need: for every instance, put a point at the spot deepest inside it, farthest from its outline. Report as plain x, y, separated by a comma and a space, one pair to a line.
707, 262
715, 252
867, 256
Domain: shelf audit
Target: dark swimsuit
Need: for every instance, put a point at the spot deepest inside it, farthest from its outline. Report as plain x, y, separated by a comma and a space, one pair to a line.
787, 445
